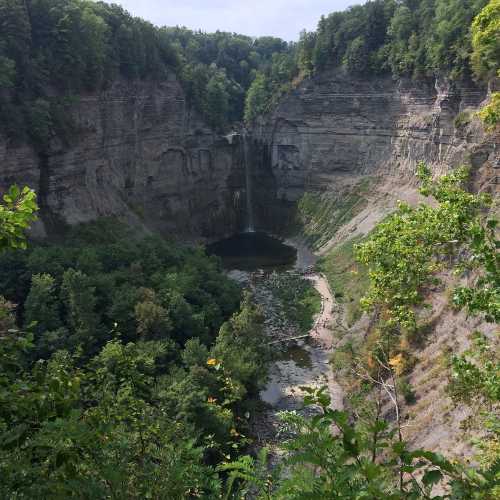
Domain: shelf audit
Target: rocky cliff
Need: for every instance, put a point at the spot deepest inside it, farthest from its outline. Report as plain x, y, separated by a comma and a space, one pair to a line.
353, 145
139, 153
333, 128
142, 154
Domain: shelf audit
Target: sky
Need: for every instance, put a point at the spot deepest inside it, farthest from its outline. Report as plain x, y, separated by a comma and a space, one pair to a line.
282, 18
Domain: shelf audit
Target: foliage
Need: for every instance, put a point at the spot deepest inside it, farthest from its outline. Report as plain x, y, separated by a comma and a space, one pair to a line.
486, 57
346, 277
300, 300
357, 462
475, 381
490, 114
132, 378
256, 99
64, 48
242, 349
486, 41
16, 214
405, 252
475, 374
320, 216
51, 51
102, 278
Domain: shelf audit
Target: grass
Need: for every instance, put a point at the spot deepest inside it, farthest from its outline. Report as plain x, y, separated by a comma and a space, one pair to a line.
321, 215
301, 301
463, 118
348, 279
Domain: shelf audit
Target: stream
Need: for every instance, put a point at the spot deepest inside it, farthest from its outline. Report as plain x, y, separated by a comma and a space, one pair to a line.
254, 259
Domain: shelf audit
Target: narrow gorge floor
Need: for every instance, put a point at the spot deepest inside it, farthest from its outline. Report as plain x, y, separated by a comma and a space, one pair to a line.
302, 363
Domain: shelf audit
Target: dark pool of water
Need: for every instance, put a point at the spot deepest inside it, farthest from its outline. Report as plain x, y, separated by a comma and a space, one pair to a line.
252, 251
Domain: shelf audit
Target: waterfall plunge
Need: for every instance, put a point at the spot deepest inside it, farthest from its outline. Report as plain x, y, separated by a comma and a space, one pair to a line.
250, 228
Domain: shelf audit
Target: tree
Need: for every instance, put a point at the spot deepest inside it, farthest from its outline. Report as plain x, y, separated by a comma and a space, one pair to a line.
486, 56
490, 114
41, 312
153, 321
241, 346
486, 41
217, 100
78, 297
305, 52
40, 122
16, 214
356, 56
257, 98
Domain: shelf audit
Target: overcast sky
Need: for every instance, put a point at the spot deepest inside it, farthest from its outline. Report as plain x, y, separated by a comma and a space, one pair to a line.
283, 18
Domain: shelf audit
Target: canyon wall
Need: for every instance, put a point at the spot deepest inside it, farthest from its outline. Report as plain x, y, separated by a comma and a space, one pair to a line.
335, 127
141, 154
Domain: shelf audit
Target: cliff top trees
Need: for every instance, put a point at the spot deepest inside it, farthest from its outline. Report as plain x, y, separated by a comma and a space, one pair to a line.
486, 56
67, 47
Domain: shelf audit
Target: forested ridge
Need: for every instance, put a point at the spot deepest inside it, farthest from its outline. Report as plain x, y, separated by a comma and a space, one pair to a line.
52, 51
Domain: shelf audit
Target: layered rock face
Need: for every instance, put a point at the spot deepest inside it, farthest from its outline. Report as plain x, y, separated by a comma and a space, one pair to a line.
140, 154
334, 127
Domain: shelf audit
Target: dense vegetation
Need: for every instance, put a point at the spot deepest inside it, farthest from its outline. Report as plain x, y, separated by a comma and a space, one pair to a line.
126, 369
51, 52
486, 56
417, 39
366, 457
217, 69
128, 379
129, 366
347, 278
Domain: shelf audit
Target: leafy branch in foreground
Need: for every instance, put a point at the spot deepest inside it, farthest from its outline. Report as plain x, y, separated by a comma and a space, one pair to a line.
355, 462
16, 214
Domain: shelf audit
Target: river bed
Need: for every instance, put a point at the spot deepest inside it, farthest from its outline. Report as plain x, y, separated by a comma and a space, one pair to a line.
252, 258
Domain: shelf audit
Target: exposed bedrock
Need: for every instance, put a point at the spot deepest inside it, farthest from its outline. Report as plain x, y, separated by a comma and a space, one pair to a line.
142, 154
333, 127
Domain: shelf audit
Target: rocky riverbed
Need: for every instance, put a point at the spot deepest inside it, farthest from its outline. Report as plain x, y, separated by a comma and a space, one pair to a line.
298, 363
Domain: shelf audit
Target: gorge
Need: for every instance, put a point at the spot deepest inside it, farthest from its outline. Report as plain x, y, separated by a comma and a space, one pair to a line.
244, 268
143, 155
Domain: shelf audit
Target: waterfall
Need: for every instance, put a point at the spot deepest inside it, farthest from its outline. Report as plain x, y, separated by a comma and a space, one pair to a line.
248, 186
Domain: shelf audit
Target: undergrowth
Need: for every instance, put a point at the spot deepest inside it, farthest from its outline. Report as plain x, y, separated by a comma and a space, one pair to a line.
301, 301
347, 278
321, 215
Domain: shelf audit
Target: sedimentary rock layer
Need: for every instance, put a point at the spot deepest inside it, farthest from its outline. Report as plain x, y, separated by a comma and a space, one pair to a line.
332, 127
139, 153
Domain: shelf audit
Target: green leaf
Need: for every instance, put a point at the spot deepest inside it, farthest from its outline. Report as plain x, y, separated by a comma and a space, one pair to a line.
432, 477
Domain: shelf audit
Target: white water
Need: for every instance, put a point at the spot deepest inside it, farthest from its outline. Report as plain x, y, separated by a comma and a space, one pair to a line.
250, 228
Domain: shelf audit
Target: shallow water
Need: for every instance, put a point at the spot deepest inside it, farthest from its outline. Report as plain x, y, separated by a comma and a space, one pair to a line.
252, 251
298, 354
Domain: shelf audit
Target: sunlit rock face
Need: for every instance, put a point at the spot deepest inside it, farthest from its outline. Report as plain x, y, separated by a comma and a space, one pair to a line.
333, 127
139, 153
